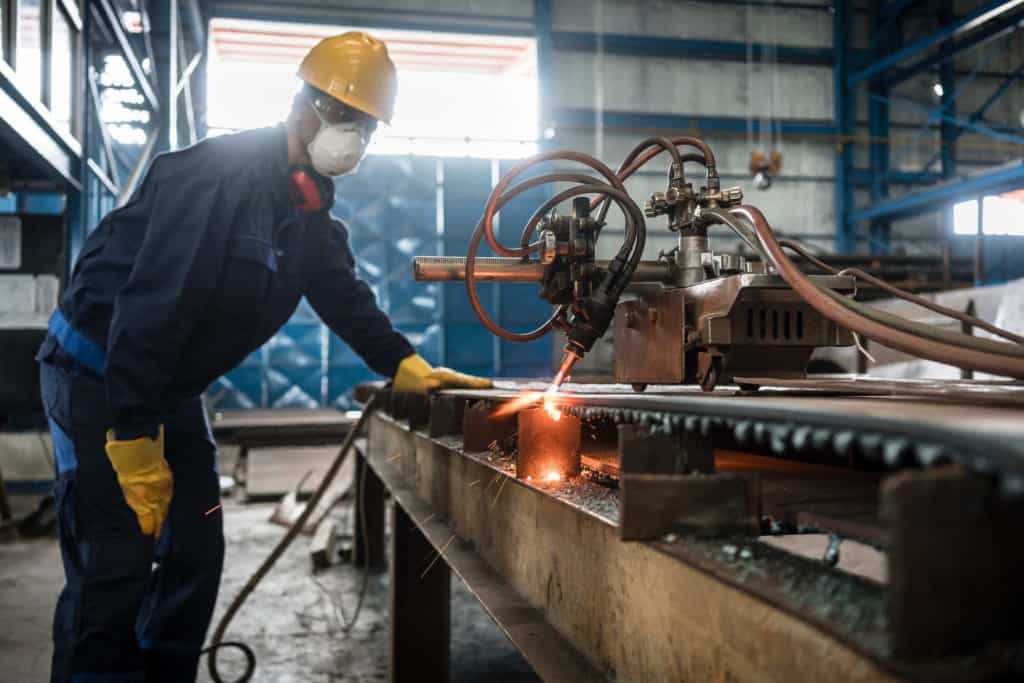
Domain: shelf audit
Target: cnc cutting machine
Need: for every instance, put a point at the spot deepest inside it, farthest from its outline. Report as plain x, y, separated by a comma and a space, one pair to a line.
691, 316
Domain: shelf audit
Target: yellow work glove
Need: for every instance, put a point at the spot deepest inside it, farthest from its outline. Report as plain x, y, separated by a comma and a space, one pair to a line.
144, 477
415, 376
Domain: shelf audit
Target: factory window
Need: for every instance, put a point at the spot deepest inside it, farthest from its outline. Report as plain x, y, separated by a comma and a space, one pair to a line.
28, 58
459, 95
61, 70
1001, 215
4, 23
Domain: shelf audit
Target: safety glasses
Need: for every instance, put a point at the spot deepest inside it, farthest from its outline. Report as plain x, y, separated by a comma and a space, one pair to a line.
333, 112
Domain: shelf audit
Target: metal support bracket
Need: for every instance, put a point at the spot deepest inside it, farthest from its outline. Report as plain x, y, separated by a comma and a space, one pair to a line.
668, 484
446, 415
481, 428
952, 535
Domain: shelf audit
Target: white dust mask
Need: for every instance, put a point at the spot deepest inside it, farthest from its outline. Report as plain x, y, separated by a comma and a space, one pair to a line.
337, 149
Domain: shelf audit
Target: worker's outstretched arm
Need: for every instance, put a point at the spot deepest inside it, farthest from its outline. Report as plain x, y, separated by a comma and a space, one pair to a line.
174, 273
349, 307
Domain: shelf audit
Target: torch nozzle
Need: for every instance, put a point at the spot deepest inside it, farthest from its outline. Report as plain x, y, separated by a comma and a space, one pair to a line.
563, 371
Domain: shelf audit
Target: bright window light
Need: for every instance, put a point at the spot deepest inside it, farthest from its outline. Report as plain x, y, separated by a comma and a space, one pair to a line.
122, 107
1001, 215
458, 95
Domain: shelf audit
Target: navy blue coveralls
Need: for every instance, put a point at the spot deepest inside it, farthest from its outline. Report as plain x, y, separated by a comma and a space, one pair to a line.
200, 268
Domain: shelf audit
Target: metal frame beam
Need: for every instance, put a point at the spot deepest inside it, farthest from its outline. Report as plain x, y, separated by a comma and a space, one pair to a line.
979, 113
864, 176
940, 116
649, 46
387, 18
1001, 179
888, 33
27, 126
1012, 78
165, 27
962, 26
995, 29
947, 79
842, 21
583, 117
947, 131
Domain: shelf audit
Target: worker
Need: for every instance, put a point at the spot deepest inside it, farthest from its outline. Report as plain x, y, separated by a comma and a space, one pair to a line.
206, 261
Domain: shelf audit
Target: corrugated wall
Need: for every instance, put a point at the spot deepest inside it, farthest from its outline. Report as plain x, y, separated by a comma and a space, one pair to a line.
801, 201
395, 208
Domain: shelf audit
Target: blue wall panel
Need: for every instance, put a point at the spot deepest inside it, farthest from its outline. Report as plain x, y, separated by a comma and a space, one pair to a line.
521, 309
391, 210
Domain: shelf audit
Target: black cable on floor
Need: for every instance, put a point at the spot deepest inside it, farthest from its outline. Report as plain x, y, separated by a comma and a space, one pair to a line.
217, 641
250, 660
348, 624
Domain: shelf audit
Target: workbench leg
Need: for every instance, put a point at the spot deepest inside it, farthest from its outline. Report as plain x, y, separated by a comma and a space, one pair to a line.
241, 472
5, 508
420, 605
369, 508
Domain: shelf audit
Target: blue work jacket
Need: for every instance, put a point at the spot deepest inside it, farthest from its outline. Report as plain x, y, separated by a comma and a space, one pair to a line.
206, 262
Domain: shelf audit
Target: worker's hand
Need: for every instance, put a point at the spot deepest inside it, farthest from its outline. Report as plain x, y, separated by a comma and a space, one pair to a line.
416, 376
144, 477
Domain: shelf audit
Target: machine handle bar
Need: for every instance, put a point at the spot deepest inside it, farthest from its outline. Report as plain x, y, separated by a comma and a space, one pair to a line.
496, 269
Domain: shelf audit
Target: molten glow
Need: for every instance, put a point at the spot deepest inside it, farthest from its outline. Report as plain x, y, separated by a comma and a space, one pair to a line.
553, 476
549, 406
515, 405
553, 412
528, 399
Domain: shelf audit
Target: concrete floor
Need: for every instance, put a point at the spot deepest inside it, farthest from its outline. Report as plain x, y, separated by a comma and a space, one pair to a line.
290, 621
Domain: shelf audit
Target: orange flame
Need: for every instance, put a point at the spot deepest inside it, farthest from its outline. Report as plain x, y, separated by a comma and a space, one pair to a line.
549, 406
553, 476
515, 405
527, 400
552, 410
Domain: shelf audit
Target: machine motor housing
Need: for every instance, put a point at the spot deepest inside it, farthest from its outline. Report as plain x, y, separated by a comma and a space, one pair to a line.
743, 325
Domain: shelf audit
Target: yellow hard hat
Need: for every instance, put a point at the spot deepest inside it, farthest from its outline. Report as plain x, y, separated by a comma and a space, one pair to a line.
354, 68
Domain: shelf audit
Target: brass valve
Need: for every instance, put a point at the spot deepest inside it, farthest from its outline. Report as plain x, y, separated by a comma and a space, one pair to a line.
730, 196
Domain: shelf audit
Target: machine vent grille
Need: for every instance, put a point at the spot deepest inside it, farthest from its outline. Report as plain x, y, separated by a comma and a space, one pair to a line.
775, 324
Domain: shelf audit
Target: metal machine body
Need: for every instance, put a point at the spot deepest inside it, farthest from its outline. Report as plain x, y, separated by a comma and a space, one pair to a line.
736, 325
692, 316
723, 326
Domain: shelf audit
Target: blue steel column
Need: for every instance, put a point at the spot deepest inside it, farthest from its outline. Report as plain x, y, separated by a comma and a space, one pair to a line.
163, 16
199, 75
948, 131
78, 202
846, 236
878, 116
545, 68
